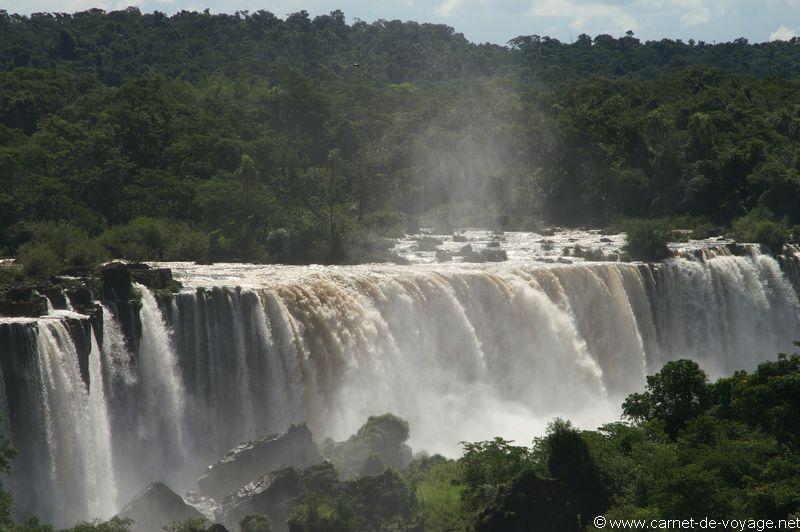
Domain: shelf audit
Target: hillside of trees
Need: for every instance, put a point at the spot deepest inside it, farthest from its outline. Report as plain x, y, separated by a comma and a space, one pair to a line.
250, 137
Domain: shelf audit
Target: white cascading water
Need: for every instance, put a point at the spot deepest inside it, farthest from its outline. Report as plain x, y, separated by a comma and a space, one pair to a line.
77, 429
463, 352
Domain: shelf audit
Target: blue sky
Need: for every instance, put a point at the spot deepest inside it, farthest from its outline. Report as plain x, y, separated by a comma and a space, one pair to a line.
499, 20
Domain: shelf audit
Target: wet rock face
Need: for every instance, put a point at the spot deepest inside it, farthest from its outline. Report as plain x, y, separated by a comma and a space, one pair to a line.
246, 462
24, 302
273, 494
157, 506
117, 282
25, 309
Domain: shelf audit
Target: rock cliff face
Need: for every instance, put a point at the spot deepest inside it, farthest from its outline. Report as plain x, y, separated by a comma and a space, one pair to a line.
248, 461
155, 507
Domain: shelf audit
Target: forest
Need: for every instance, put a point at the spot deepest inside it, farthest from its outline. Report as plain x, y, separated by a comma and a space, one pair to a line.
249, 137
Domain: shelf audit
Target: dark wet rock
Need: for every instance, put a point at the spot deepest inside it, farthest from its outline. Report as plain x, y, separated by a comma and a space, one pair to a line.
427, 243
79, 296
155, 507
606, 240
216, 527
81, 330
459, 238
117, 282
443, 256
390, 257
247, 461
56, 296
154, 278
493, 255
32, 308
273, 495
465, 250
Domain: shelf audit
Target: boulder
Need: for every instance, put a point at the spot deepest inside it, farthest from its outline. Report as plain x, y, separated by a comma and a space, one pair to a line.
154, 278
248, 461
56, 296
494, 255
32, 308
117, 282
216, 527
155, 507
465, 250
80, 297
443, 256
273, 495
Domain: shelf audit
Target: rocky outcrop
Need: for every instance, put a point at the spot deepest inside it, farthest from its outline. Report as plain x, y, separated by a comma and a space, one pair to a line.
118, 279
81, 330
23, 302
378, 444
117, 282
248, 461
154, 278
155, 507
273, 494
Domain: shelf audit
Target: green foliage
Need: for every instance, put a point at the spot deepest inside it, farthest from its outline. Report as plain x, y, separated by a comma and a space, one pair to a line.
256, 523
154, 239
38, 260
115, 524
758, 227
378, 444
676, 394
647, 239
189, 525
439, 495
246, 145
489, 466
570, 461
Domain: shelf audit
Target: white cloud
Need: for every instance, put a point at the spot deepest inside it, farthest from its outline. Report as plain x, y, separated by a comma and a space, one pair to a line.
694, 11
585, 16
446, 8
784, 33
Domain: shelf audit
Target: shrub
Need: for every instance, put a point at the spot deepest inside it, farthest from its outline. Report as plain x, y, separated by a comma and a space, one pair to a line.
155, 239
647, 239
72, 246
38, 260
256, 523
759, 228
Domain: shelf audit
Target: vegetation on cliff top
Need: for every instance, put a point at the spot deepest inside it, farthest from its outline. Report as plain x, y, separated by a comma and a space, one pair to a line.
245, 136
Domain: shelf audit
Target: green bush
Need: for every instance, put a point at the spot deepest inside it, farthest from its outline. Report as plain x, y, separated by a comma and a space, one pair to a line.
38, 260
256, 523
647, 239
189, 525
759, 228
72, 246
155, 239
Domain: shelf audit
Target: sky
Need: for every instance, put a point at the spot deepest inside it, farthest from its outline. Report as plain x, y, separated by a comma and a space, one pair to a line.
497, 21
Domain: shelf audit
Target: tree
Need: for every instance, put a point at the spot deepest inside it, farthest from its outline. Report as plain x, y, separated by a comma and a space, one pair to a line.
674, 395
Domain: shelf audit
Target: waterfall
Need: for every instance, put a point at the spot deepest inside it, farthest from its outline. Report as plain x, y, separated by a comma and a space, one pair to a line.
463, 352
62, 432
